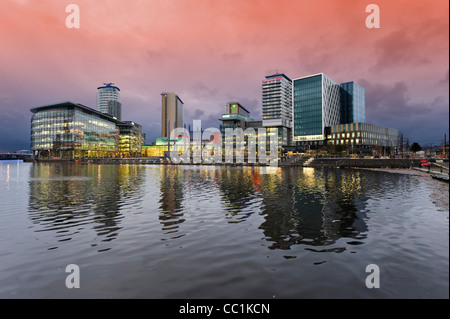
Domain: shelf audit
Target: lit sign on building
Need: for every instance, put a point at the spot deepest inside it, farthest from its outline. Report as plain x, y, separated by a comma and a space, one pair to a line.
309, 138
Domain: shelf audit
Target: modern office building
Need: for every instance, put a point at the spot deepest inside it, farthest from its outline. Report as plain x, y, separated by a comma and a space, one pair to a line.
73, 131
363, 138
131, 139
327, 114
236, 116
171, 117
115, 109
353, 103
277, 106
171, 113
108, 100
316, 105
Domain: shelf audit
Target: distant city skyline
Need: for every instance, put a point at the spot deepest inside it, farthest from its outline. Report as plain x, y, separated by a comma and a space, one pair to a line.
222, 52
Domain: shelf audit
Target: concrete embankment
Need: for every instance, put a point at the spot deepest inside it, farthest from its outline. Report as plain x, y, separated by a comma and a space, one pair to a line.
131, 161
364, 162
286, 162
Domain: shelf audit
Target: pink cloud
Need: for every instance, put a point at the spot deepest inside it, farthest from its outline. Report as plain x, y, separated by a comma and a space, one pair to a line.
213, 51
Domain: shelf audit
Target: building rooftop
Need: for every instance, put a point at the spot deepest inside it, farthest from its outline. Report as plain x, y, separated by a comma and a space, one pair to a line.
129, 123
278, 75
82, 107
176, 95
240, 105
309, 76
108, 85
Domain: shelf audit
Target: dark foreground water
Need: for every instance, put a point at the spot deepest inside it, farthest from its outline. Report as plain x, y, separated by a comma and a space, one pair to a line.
206, 232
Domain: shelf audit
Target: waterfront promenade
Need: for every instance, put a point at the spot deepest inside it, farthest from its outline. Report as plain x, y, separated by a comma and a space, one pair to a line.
441, 166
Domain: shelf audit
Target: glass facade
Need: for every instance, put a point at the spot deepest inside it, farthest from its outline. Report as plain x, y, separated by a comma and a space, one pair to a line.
52, 129
316, 105
71, 131
131, 139
353, 106
93, 133
362, 134
153, 150
308, 106
239, 117
282, 134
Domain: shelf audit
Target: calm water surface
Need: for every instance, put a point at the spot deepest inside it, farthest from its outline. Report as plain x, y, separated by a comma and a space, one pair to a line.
210, 232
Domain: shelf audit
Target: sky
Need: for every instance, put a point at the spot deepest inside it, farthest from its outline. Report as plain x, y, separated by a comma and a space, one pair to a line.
211, 52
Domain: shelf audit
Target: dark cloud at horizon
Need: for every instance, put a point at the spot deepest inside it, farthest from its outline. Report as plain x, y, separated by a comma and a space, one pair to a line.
390, 106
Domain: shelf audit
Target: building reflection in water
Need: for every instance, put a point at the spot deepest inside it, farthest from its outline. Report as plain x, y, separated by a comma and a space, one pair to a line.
343, 209
171, 200
312, 207
239, 189
66, 199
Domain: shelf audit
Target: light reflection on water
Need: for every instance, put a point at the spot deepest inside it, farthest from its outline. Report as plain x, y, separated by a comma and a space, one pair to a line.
204, 231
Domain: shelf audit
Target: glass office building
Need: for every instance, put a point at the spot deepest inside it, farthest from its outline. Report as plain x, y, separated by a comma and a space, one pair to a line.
236, 116
74, 131
131, 139
363, 136
353, 103
317, 104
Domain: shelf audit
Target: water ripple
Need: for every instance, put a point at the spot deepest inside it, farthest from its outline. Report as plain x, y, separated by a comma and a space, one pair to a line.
218, 232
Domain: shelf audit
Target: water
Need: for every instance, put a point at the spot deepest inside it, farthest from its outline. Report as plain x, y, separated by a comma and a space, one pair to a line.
206, 232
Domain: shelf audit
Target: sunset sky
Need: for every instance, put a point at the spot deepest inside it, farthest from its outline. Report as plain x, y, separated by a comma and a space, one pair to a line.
213, 51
